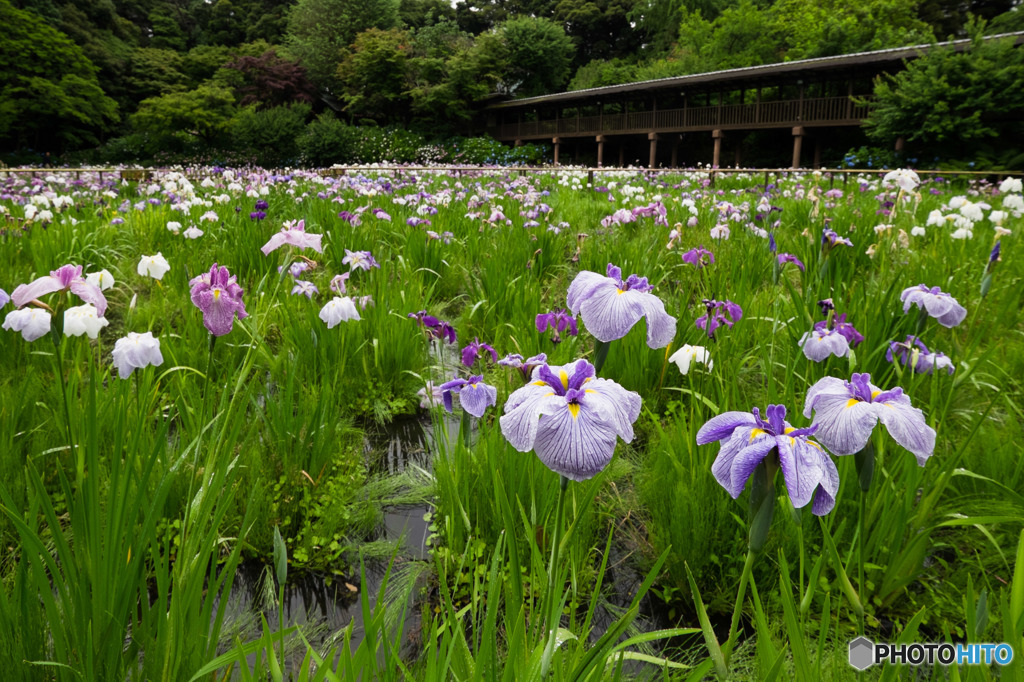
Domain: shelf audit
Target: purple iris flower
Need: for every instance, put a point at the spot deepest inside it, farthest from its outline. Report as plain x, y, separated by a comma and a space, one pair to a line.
474, 395
516, 361
772, 248
826, 306
839, 324
718, 313
994, 256
822, 342
832, 238
938, 304
610, 306
558, 320
570, 418
352, 218
846, 412
4, 298
295, 269
913, 353
262, 205
338, 282
747, 439
217, 294
437, 328
294, 234
257, 215
474, 349
699, 257
784, 258
361, 260
64, 278
305, 288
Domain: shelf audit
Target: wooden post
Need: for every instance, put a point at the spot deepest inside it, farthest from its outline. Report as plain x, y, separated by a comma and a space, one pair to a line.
717, 135
600, 151
557, 141
653, 158
757, 107
798, 139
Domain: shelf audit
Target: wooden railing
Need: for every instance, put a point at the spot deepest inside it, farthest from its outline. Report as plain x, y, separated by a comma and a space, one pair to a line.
780, 114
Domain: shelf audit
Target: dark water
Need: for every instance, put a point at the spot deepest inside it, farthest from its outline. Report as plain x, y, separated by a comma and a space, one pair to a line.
327, 604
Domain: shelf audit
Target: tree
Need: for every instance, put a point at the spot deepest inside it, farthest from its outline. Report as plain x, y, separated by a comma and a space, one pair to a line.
205, 113
270, 80
947, 101
539, 56
320, 31
49, 91
268, 137
155, 72
373, 74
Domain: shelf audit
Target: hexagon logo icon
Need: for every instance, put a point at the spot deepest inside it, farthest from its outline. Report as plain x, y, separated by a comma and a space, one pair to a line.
862, 653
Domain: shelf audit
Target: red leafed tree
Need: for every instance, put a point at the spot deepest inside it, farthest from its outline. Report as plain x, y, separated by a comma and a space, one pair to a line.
270, 81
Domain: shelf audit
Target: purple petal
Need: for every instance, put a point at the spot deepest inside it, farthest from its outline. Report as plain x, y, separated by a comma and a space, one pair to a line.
577, 446
746, 460
477, 397
844, 423
661, 327
907, 427
722, 426
824, 386
90, 294
275, 242
583, 287
618, 406
825, 496
802, 468
610, 312
25, 293
522, 414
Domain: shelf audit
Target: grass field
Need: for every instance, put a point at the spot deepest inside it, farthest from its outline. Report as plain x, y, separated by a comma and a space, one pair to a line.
134, 483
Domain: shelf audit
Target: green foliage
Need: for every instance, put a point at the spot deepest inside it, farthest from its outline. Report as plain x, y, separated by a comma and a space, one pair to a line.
320, 31
205, 113
539, 54
49, 93
327, 140
373, 74
945, 101
270, 136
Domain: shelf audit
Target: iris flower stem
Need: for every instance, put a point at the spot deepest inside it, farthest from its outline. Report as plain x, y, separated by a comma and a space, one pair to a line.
79, 457
464, 428
199, 442
860, 554
741, 593
865, 462
554, 616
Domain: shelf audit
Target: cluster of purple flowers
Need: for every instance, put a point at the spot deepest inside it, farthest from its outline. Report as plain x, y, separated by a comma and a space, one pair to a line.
435, 327
558, 321
913, 353
718, 313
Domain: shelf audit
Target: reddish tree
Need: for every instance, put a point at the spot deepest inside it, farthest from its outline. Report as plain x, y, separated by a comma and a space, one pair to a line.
270, 81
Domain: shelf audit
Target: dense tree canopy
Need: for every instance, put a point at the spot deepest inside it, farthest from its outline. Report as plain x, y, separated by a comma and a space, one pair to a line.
946, 100
47, 85
91, 69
